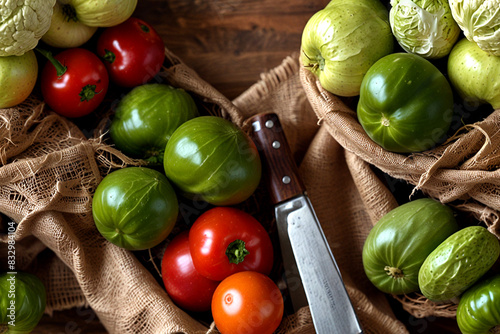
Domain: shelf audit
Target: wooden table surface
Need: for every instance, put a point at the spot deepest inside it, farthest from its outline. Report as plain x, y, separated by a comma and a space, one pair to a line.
229, 43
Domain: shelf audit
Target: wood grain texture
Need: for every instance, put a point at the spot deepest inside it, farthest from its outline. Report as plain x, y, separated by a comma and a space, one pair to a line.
277, 158
230, 43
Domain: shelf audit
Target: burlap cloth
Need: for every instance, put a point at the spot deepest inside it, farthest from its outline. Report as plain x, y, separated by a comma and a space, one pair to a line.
49, 170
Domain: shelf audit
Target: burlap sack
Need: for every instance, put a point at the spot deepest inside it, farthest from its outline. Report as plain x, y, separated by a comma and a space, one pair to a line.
462, 171
50, 169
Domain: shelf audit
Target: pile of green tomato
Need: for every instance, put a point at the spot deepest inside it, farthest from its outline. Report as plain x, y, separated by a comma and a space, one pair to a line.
207, 160
181, 153
203, 158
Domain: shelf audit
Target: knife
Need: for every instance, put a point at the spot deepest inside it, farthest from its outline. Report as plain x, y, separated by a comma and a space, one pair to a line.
304, 247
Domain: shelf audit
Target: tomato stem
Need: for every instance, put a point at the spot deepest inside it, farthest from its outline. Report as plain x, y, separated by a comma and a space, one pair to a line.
60, 68
236, 251
394, 272
109, 56
385, 121
88, 92
154, 156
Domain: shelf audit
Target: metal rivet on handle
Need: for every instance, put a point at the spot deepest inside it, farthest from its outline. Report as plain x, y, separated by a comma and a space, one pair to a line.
276, 144
269, 124
286, 179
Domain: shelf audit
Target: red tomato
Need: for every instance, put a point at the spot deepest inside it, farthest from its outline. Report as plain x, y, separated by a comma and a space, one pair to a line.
247, 302
187, 288
81, 89
226, 240
133, 52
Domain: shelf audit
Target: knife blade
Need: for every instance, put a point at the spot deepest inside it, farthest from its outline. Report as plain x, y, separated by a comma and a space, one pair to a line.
305, 249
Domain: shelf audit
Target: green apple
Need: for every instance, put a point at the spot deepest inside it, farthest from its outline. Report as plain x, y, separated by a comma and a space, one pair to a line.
475, 73
18, 76
341, 42
102, 13
66, 31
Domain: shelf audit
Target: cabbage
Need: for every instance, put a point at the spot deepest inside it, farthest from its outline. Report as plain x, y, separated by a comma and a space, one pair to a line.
424, 27
22, 24
480, 22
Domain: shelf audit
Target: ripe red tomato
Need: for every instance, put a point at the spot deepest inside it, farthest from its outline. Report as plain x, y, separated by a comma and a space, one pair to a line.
81, 89
132, 51
226, 240
247, 302
187, 288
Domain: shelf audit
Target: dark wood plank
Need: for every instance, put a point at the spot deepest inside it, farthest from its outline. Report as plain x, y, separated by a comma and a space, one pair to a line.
230, 43
74, 321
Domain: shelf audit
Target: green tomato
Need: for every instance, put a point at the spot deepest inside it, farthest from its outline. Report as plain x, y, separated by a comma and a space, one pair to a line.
474, 73
22, 302
405, 104
135, 208
18, 76
401, 240
147, 116
340, 43
479, 308
211, 159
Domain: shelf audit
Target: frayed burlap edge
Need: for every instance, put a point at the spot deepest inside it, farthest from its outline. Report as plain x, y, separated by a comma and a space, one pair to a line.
454, 172
462, 172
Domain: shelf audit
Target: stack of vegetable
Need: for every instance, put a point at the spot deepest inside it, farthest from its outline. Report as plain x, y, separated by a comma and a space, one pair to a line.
420, 247
405, 105
225, 259
405, 101
62, 24
407, 66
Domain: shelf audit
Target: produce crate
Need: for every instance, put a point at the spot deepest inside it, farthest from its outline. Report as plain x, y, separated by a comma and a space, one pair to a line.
93, 285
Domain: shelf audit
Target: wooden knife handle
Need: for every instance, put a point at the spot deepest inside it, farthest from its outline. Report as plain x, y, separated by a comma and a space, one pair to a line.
280, 170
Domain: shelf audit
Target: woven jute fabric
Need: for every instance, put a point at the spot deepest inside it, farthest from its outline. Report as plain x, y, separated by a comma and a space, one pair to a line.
49, 171
462, 171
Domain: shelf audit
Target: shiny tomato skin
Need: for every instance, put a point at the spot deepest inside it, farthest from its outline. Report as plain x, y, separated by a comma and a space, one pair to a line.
135, 208
405, 103
185, 286
211, 235
477, 310
84, 70
132, 51
211, 159
247, 302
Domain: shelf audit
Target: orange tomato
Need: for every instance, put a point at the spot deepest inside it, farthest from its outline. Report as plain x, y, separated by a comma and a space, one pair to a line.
247, 302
